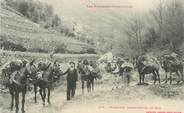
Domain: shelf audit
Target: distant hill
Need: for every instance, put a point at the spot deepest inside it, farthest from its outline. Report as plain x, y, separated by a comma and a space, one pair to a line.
17, 29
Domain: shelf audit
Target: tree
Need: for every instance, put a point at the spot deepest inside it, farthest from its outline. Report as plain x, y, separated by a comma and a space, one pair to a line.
169, 24
174, 25
37, 12
134, 30
151, 37
158, 16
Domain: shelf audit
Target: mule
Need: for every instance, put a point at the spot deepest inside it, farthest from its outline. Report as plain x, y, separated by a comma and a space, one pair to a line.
18, 82
88, 76
147, 69
170, 68
45, 82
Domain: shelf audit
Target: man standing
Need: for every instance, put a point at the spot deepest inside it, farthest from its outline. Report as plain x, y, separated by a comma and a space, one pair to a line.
72, 77
127, 68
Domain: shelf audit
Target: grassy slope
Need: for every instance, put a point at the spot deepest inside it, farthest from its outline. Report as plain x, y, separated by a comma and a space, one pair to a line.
19, 29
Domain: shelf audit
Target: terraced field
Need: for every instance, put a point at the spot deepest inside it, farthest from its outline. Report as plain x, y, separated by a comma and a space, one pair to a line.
18, 29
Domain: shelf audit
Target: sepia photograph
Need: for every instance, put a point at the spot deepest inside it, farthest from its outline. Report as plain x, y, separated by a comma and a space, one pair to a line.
91, 56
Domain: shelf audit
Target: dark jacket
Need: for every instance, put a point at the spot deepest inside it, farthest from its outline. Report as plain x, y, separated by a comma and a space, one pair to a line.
72, 75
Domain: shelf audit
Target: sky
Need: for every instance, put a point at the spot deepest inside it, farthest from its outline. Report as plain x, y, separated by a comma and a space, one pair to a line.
70, 9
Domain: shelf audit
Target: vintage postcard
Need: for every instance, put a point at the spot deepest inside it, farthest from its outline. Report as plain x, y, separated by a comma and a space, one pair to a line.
91, 56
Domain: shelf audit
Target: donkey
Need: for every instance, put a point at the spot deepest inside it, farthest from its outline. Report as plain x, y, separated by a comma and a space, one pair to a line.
18, 81
147, 69
88, 75
44, 80
172, 67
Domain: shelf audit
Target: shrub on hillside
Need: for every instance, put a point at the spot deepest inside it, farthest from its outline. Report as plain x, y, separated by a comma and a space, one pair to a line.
36, 11
61, 49
91, 51
38, 50
7, 45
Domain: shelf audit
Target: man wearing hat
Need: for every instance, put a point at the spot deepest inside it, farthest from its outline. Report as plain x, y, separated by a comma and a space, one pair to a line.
72, 77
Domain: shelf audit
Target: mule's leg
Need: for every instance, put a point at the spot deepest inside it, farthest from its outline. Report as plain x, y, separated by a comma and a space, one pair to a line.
35, 91
44, 96
41, 90
17, 101
166, 77
155, 77
128, 79
170, 77
182, 76
11, 90
48, 100
23, 100
82, 86
88, 86
92, 84
158, 74
12, 100
178, 81
140, 78
143, 75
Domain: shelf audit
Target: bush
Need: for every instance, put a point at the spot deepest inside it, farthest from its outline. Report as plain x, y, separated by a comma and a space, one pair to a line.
39, 50
61, 49
36, 11
7, 45
91, 51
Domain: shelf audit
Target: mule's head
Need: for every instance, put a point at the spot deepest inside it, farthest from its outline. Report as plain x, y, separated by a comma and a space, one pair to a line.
56, 72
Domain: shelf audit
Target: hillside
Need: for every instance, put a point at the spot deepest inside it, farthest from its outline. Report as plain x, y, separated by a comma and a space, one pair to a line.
19, 30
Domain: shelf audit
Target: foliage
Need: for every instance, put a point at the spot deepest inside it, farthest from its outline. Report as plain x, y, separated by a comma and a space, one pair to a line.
8, 45
91, 51
39, 50
36, 11
61, 49
164, 32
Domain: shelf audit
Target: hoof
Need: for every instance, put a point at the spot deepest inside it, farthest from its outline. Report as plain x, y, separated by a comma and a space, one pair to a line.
49, 104
139, 84
178, 82
145, 84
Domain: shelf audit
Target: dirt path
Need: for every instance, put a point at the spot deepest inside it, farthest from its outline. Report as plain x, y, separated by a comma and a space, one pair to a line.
134, 99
